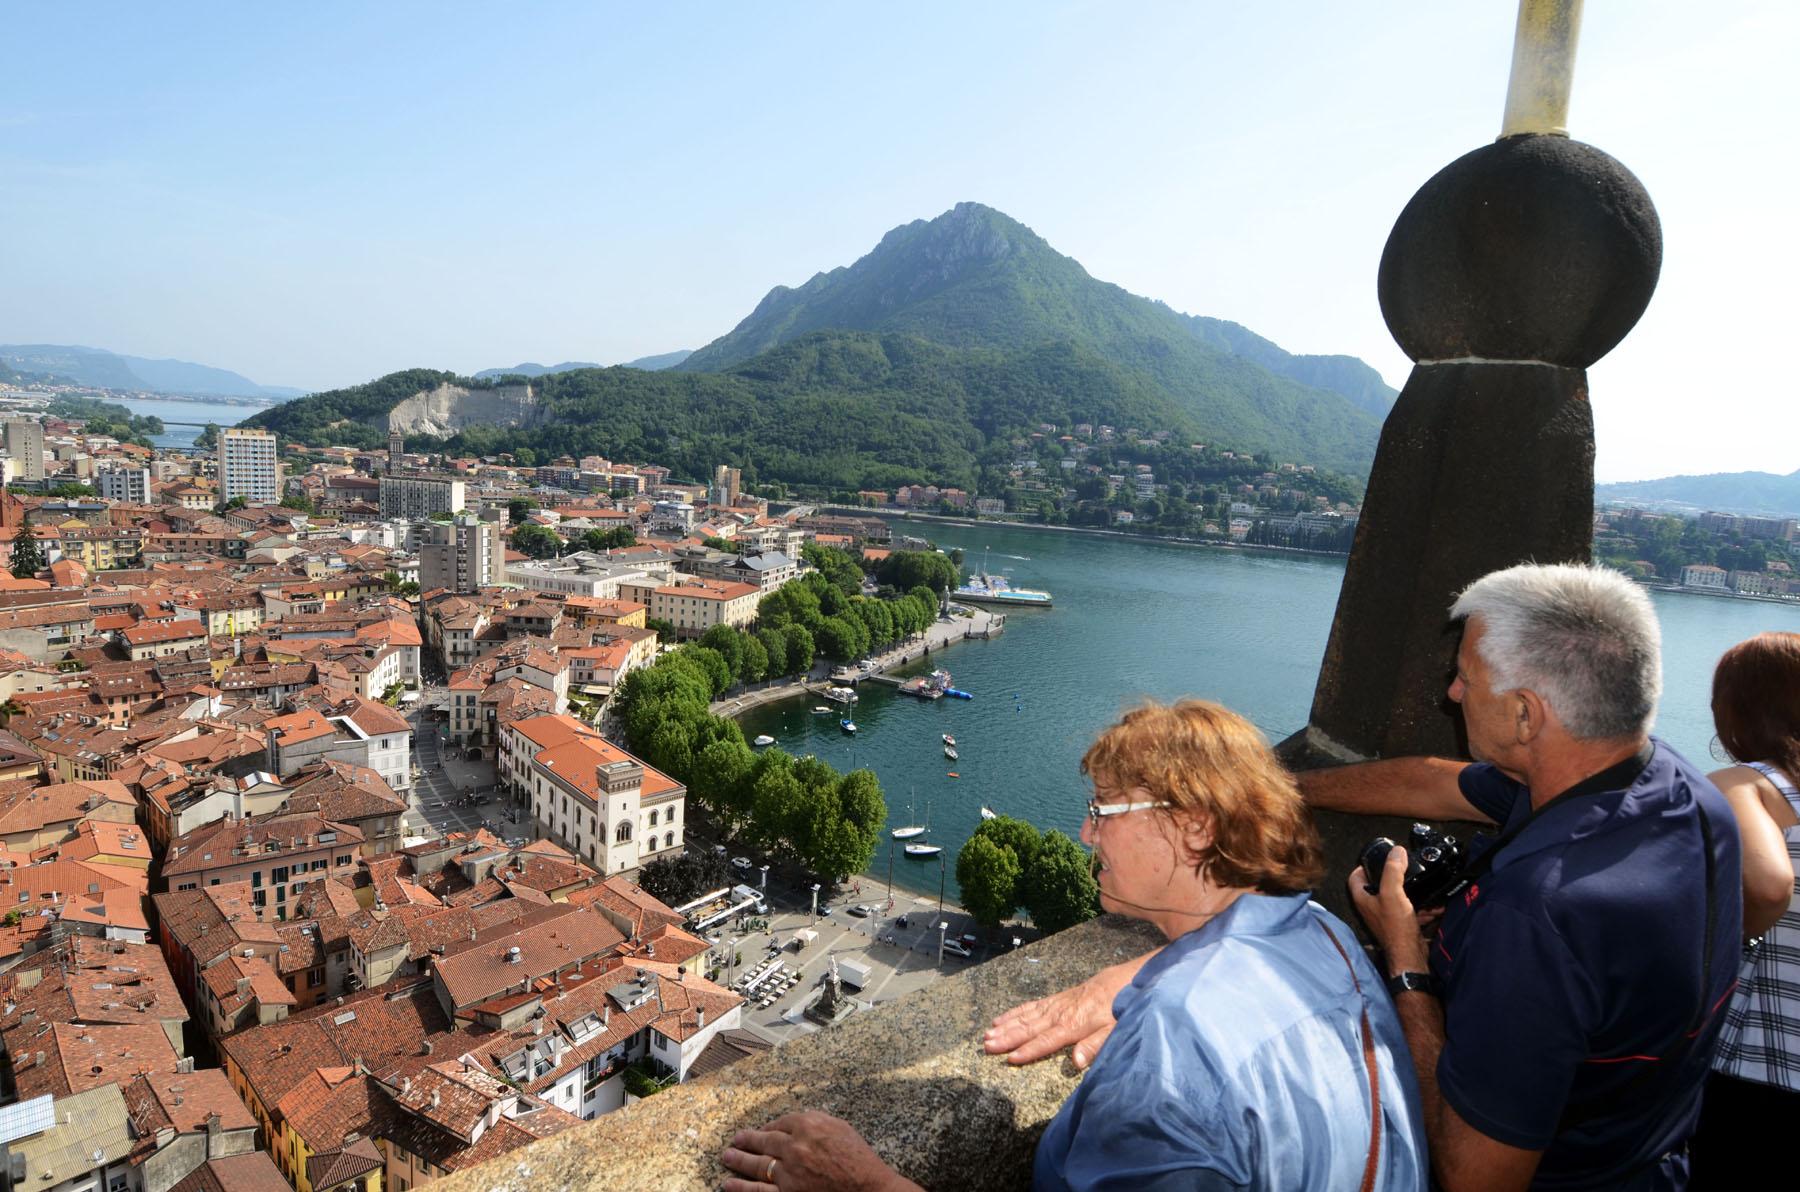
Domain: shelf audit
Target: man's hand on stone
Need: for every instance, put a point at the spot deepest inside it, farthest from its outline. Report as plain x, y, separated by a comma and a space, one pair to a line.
1081, 1015
808, 1152
1390, 916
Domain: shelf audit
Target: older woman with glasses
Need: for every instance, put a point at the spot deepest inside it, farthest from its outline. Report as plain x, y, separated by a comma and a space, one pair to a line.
1256, 1050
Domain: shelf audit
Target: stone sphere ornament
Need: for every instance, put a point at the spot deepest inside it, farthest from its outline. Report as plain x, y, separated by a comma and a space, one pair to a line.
1535, 248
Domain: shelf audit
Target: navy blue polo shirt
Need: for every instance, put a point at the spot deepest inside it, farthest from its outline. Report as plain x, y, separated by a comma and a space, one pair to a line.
1574, 969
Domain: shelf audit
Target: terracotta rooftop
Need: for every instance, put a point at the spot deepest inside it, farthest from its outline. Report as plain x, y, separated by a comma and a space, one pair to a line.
544, 949
77, 1058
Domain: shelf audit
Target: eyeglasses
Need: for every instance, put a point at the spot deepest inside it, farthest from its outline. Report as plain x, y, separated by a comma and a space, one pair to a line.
1099, 811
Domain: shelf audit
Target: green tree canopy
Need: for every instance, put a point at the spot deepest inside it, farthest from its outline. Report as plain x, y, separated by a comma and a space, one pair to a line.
801, 649
774, 644
756, 659
988, 876
27, 554
918, 569
838, 568
539, 542
1059, 888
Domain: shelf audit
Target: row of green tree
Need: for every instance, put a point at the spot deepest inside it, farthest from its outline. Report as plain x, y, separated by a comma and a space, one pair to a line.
828, 601
1008, 864
787, 807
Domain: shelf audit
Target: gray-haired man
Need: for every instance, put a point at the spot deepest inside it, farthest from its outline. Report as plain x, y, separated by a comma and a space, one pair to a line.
1562, 1015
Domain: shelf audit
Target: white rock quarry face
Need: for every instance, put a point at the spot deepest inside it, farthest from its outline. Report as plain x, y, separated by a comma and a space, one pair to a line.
443, 411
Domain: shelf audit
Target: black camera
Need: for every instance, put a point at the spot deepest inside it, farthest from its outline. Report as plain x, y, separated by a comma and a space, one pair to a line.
1434, 866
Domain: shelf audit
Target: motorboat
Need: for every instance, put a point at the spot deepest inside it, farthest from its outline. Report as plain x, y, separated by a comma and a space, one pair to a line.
950, 752
848, 725
923, 850
840, 695
950, 740
821, 710
957, 693
988, 813
764, 740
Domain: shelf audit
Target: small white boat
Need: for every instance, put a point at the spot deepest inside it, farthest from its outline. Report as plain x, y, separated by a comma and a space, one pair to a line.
848, 725
988, 813
908, 831
950, 752
821, 710
763, 740
840, 695
949, 740
923, 850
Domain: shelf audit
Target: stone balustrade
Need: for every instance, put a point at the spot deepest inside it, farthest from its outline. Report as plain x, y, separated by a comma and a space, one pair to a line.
909, 1074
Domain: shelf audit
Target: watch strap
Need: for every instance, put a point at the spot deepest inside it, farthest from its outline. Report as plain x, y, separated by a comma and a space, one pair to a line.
1412, 982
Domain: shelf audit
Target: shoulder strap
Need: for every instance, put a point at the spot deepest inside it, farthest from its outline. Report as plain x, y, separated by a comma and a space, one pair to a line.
1368, 1048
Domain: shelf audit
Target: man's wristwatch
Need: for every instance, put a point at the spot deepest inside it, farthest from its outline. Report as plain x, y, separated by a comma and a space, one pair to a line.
1401, 983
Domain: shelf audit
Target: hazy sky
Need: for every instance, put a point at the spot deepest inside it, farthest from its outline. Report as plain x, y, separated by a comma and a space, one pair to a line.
318, 194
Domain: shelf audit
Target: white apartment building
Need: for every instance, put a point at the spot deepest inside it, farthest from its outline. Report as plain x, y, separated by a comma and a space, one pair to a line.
420, 496
590, 796
25, 448
130, 485
586, 573
249, 466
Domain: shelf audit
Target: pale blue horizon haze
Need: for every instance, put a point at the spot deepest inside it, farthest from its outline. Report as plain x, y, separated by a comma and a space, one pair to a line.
318, 195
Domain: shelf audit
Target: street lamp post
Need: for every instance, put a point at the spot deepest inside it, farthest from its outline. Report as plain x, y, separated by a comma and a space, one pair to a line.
940, 885
815, 908
890, 873
765, 879
943, 926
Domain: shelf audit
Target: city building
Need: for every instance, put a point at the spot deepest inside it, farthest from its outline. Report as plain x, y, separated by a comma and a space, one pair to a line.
25, 448
1703, 575
420, 496
249, 466
605, 806
695, 605
131, 485
277, 854
464, 555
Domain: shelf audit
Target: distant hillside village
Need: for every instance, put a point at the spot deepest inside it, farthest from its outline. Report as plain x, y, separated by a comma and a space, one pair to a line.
1715, 553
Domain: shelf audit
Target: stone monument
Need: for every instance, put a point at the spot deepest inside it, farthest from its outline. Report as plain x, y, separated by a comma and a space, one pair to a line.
1510, 272
831, 1005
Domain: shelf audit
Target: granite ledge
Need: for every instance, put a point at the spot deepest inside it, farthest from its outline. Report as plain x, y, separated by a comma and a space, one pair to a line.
909, 1074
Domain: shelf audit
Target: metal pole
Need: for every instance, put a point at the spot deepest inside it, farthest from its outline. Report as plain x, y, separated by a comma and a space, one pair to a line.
943, 926
815, 904
940, 885
890, 873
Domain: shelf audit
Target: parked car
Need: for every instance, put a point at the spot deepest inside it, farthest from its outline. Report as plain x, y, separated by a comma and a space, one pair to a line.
957, 948
970, 939
741, 862
861, 912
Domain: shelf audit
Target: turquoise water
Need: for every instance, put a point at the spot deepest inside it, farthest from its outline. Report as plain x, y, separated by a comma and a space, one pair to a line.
196, 412
1136, 619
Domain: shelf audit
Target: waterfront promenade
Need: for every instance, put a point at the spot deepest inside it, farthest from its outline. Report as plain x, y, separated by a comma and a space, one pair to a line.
945, 631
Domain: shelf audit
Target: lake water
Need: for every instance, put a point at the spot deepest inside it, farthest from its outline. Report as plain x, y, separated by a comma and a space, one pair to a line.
198, 413
1136, 619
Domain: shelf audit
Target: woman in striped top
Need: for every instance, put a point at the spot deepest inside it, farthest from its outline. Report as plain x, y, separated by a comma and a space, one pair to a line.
1754, 1092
